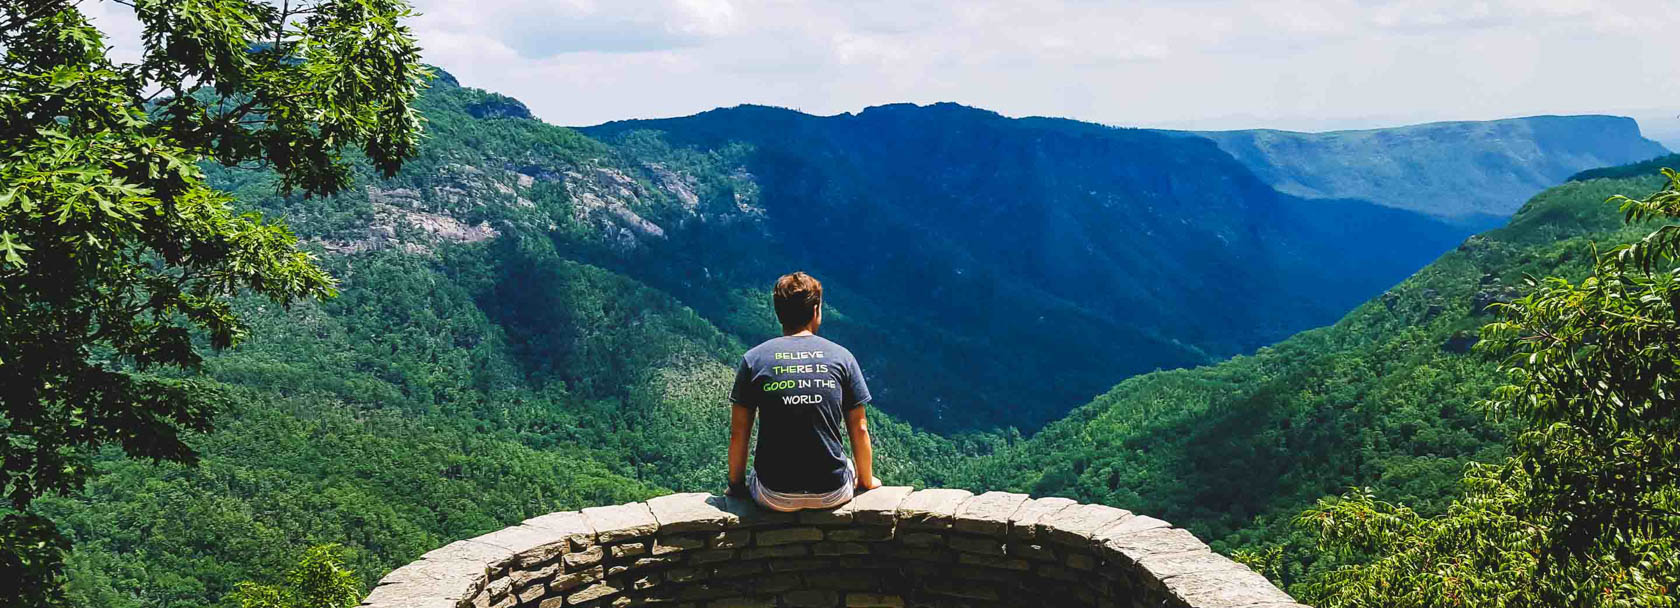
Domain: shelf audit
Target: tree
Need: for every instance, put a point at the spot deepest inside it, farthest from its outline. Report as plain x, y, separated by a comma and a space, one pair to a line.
116, 257
319, 580
1586, 511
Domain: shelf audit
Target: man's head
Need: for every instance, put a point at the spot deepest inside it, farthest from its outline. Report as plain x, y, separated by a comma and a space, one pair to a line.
798, 299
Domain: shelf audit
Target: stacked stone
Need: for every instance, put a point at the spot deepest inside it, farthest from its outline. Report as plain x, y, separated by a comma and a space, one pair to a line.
889, 547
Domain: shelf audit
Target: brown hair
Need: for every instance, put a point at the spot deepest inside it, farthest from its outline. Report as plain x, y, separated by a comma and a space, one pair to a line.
797, 297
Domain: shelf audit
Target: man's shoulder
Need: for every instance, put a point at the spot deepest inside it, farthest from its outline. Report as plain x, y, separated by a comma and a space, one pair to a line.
830, 348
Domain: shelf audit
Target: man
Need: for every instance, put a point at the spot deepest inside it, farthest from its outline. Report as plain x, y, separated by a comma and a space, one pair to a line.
802, 388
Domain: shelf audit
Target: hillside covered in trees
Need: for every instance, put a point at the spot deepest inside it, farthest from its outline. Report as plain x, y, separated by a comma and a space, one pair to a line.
534, 318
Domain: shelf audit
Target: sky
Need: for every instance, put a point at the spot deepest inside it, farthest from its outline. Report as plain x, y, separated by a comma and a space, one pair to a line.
1195, 64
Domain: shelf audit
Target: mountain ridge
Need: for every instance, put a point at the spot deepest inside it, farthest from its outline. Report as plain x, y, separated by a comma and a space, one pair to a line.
1341, 164
1479, 183
1533, 152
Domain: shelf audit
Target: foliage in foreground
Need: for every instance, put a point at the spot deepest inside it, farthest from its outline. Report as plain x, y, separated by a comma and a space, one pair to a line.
1586, 510
114, 250
319, 580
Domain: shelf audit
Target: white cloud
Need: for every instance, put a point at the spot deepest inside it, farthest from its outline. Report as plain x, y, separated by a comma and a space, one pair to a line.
537, 29
1192, 63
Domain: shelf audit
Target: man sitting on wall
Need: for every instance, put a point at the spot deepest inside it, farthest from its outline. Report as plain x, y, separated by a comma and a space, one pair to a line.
801, 386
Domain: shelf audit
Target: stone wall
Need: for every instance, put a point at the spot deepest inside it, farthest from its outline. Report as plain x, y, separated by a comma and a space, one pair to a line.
892, 546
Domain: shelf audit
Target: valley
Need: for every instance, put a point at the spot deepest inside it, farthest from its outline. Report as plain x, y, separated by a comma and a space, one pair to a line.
534, 318
955, 234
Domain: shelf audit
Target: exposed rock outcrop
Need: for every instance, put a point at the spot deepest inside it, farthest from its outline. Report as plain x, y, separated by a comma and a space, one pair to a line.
398, 226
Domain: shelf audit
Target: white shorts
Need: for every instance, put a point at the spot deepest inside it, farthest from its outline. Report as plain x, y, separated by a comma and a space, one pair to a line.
785, 502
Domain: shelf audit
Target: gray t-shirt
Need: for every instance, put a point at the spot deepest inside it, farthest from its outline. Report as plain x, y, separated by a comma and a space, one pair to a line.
801, 387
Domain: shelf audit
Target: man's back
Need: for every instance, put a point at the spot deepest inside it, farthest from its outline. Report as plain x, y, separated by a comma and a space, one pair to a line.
801, 387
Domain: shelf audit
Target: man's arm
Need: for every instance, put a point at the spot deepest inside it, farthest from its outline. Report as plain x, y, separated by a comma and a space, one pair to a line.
740, 434
863, 454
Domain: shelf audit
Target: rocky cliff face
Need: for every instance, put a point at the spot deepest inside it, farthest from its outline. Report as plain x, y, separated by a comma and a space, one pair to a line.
1477, 173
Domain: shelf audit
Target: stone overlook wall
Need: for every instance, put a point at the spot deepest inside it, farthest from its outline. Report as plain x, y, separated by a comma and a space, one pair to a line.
891, 546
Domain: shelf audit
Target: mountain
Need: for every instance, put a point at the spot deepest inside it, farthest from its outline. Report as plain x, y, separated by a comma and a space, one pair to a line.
1000, 270
1473, 173
1385, 398
535, 318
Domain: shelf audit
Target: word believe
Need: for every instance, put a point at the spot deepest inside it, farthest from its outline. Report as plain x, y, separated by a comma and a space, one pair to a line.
804, 354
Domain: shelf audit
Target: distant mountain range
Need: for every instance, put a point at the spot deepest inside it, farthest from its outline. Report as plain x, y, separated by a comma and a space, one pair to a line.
1473, 173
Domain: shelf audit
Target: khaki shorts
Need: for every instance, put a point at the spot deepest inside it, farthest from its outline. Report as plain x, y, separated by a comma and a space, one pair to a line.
785, 502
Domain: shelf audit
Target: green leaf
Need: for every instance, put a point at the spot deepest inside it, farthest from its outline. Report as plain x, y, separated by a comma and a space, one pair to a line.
11, 246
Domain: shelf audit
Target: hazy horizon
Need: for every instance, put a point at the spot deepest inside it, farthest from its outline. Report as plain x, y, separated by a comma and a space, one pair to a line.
1215, 65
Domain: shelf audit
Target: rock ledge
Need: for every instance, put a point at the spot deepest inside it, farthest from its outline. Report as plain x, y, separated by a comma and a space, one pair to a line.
892, 547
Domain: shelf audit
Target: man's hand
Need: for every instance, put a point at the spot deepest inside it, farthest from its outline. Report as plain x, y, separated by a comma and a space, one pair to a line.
863, 454
737, 489
865, 485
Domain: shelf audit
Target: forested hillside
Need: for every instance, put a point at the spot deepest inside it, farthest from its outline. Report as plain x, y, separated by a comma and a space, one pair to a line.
1472, 173
531, 319
1386, 398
